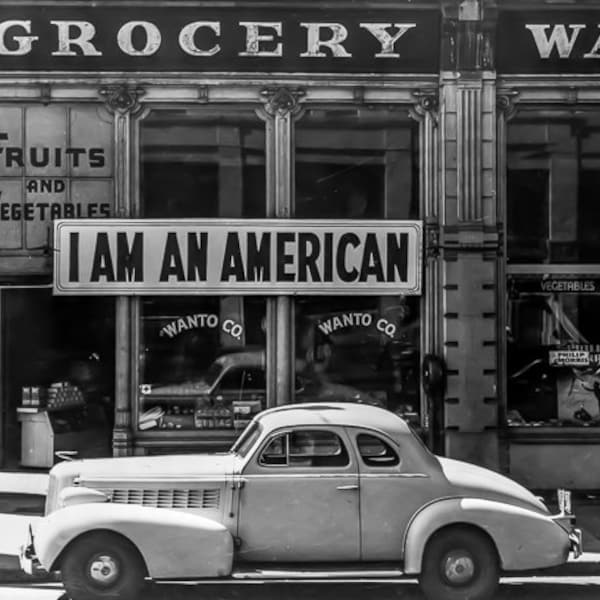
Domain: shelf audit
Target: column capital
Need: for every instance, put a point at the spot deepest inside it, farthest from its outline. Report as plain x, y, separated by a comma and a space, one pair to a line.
281, 101
506, 103
121, 98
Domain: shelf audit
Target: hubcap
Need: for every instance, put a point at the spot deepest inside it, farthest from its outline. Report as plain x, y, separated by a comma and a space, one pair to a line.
103, 569
459, 567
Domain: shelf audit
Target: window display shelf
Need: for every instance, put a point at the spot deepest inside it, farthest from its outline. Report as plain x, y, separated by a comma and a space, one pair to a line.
554, 434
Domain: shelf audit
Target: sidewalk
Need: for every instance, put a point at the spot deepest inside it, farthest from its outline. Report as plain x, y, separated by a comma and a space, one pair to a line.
22, 502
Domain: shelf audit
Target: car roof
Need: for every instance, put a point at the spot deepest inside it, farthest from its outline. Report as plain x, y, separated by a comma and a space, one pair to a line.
252, 358
345, 414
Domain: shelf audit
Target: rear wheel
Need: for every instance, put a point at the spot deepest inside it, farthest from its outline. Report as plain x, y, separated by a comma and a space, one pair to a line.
459, 563
103, 566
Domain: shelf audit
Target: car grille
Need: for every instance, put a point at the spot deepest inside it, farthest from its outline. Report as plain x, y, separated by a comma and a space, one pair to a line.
165, 498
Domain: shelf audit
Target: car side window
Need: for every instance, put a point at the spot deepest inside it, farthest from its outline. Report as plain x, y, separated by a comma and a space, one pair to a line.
375, 452
306, 448
232, 380
255, 379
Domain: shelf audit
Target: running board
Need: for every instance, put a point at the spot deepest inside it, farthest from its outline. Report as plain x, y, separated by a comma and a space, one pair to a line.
312, 574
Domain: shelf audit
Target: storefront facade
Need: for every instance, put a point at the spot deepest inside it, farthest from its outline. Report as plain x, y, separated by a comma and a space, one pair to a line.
412, 133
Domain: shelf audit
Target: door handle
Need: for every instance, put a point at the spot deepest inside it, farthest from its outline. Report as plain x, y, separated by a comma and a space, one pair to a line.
345, 488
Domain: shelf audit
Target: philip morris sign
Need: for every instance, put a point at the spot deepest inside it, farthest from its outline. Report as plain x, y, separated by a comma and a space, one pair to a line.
109, 37
216, 256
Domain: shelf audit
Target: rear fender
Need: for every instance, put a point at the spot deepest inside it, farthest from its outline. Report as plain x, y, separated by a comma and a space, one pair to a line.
173, 544
524, 539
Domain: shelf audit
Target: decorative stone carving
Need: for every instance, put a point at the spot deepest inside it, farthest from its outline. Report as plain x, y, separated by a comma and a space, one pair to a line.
426, 102
122, 98
506, 103
282, 100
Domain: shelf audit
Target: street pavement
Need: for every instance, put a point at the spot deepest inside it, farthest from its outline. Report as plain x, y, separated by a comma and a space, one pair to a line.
540, 588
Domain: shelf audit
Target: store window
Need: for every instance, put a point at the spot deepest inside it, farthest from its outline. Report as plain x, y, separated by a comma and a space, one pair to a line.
203, 162
202, 359
202, 363
553, 286
358, 164
58, 385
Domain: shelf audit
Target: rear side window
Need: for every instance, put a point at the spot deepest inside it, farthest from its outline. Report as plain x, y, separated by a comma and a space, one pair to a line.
306, 448
376, 452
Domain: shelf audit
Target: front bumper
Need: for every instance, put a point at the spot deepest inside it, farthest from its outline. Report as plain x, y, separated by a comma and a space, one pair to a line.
27, 558
575, 539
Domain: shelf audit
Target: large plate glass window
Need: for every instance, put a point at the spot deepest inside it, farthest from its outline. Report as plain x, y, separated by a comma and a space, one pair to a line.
357, 164
553, 332
202, 358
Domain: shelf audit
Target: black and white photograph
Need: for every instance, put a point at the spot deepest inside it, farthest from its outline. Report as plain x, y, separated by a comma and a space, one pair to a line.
299, 300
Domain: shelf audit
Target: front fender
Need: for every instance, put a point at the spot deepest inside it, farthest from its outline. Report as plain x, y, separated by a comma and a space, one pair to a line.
173, 544
524, 539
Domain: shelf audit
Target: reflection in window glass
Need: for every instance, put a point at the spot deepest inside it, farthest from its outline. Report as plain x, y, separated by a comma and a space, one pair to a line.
374, 452
553, 160
357, 163
359, 349
553, 351
306, 448
194, 374
203, 162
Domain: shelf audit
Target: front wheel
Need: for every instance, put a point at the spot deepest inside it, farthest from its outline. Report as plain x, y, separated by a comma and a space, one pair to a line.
103, 566
459, 563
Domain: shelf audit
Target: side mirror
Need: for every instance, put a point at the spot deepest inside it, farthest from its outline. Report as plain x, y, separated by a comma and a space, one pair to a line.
434, 374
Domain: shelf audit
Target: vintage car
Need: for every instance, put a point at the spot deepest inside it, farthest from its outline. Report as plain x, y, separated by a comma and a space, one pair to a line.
308, 491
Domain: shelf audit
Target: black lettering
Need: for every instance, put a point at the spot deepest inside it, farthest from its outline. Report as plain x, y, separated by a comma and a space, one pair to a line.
233, 263
307, 258
15, 212
59, 185
196, 263
14, 155
346, 239
91, 210
37, 161
69, 210
283, 259
43, 206
172, 264
57, 157
5, 211
96, 157
74, 256
328, 258
371, 261
75, 153
102, 265
105, 210
130, 259
45, 185
29, 212
55, 210
32, 186
397, 256
259, 257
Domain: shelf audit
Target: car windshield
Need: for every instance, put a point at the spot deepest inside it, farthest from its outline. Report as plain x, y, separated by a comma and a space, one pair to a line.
249, 436
213, 372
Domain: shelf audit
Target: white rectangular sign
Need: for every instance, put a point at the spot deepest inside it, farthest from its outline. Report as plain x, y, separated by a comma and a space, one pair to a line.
222, 256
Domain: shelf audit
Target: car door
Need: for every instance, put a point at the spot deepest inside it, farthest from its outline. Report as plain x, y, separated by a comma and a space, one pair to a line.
391, 491
300, 499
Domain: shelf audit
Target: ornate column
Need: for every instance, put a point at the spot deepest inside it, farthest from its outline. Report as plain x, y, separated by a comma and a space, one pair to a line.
469, 238
281, 108
123, 102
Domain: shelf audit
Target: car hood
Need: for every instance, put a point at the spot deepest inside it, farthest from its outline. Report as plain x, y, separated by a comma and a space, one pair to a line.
178, 389
468, 479
145, 468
